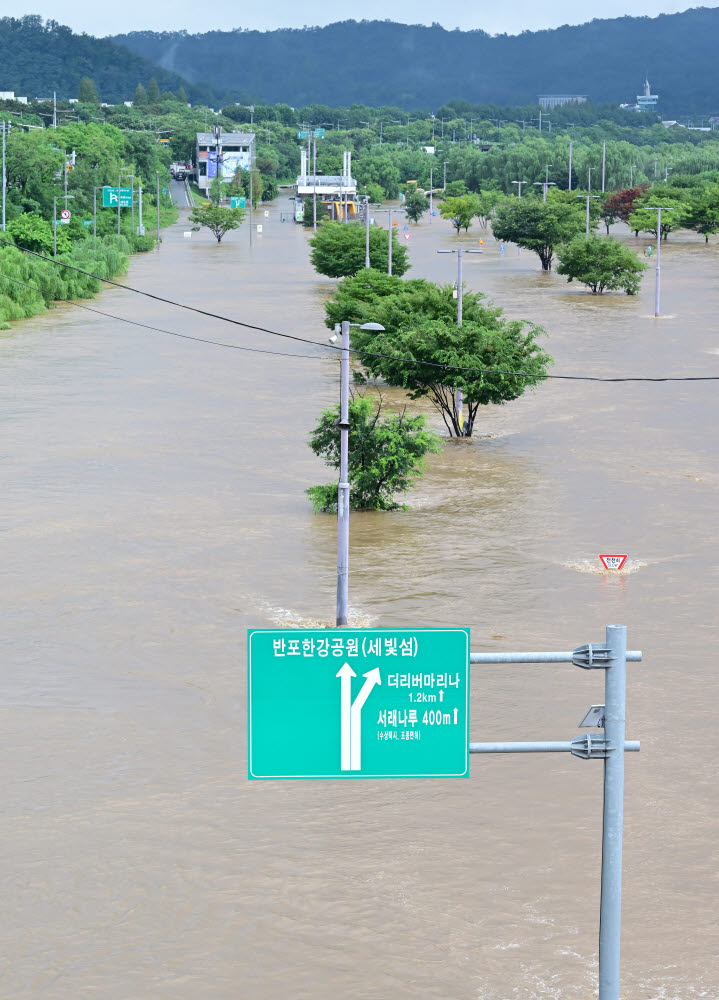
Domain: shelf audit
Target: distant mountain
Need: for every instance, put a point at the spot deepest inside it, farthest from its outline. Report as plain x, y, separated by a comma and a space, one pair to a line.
412, 66
41, 57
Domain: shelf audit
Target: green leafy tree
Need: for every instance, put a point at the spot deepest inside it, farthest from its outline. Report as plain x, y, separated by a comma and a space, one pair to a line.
308, 218
153, 92
702, 213
485, 204
217, 218
420, 321
270, 188
139, 99
87, 91
456, 189
375, 193
644, 217
537, 226
181, 95
31, 232
601, 264
386, 455
460, 211
415, 205
338, 250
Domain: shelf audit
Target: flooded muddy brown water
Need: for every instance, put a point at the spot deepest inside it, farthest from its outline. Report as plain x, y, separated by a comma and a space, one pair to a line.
154, 508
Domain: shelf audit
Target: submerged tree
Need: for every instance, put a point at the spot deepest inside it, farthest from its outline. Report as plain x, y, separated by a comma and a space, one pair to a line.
217, 218
386, 455
601, 264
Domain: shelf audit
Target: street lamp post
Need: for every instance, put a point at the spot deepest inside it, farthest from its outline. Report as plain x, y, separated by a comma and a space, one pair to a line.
588, 196
366, 235
95, 189
4, 178
54, 220
519, 184
546, 183
458, 395
444, 182
431, 187
570, 166
604, 161
657, 277
343, 488
632, 168
158, 208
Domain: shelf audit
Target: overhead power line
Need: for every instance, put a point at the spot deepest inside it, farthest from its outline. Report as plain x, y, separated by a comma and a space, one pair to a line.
173, 333
353, 350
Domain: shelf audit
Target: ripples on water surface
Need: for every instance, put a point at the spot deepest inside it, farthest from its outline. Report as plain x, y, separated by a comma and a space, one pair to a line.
154, 508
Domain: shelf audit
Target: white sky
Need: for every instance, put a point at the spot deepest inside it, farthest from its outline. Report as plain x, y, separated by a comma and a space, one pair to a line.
512, 16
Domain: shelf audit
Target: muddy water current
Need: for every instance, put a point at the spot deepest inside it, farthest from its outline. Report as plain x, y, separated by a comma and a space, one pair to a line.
153, 508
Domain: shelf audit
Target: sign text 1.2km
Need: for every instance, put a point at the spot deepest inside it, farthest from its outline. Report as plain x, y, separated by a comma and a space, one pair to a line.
364, 703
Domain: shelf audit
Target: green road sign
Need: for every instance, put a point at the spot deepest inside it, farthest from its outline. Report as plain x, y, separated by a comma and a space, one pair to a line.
238, 202
109, 197
303, 134
358, 703
87, 223
319, 133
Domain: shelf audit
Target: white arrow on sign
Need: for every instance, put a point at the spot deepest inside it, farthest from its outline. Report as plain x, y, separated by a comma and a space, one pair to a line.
346, 673
351, 715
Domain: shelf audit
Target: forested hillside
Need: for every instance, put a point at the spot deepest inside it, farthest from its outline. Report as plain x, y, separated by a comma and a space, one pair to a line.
379, 62
41, 57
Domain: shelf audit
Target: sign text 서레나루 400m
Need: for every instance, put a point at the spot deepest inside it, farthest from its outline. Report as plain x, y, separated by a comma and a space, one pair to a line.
358, 703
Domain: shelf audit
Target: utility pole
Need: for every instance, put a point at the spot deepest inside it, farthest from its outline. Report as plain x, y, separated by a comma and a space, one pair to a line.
657, 276
366, 235
458, 395
250, 197
140, 227
4, 178
94, 213
389, 250
570, 165
519, 186
631, 174
64, 161
444, 164
158, 208
54, 222
604, 161
588, 196
54, 109
431, 186
314, 184
343, 489
655, 165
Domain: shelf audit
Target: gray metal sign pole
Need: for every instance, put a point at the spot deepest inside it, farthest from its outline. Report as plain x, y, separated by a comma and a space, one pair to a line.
343, 490
610, 746
610, 921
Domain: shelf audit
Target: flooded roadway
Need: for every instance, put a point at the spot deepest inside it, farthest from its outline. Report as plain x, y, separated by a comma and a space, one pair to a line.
154, 508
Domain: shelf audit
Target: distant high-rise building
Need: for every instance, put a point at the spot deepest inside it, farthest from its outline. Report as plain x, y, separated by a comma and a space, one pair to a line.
549, 101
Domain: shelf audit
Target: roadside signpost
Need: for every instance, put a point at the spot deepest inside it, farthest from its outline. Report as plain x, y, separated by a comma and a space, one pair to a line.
613, 561
238, 202
319, 133
109, 197
303, 134
358, 703
65, 216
